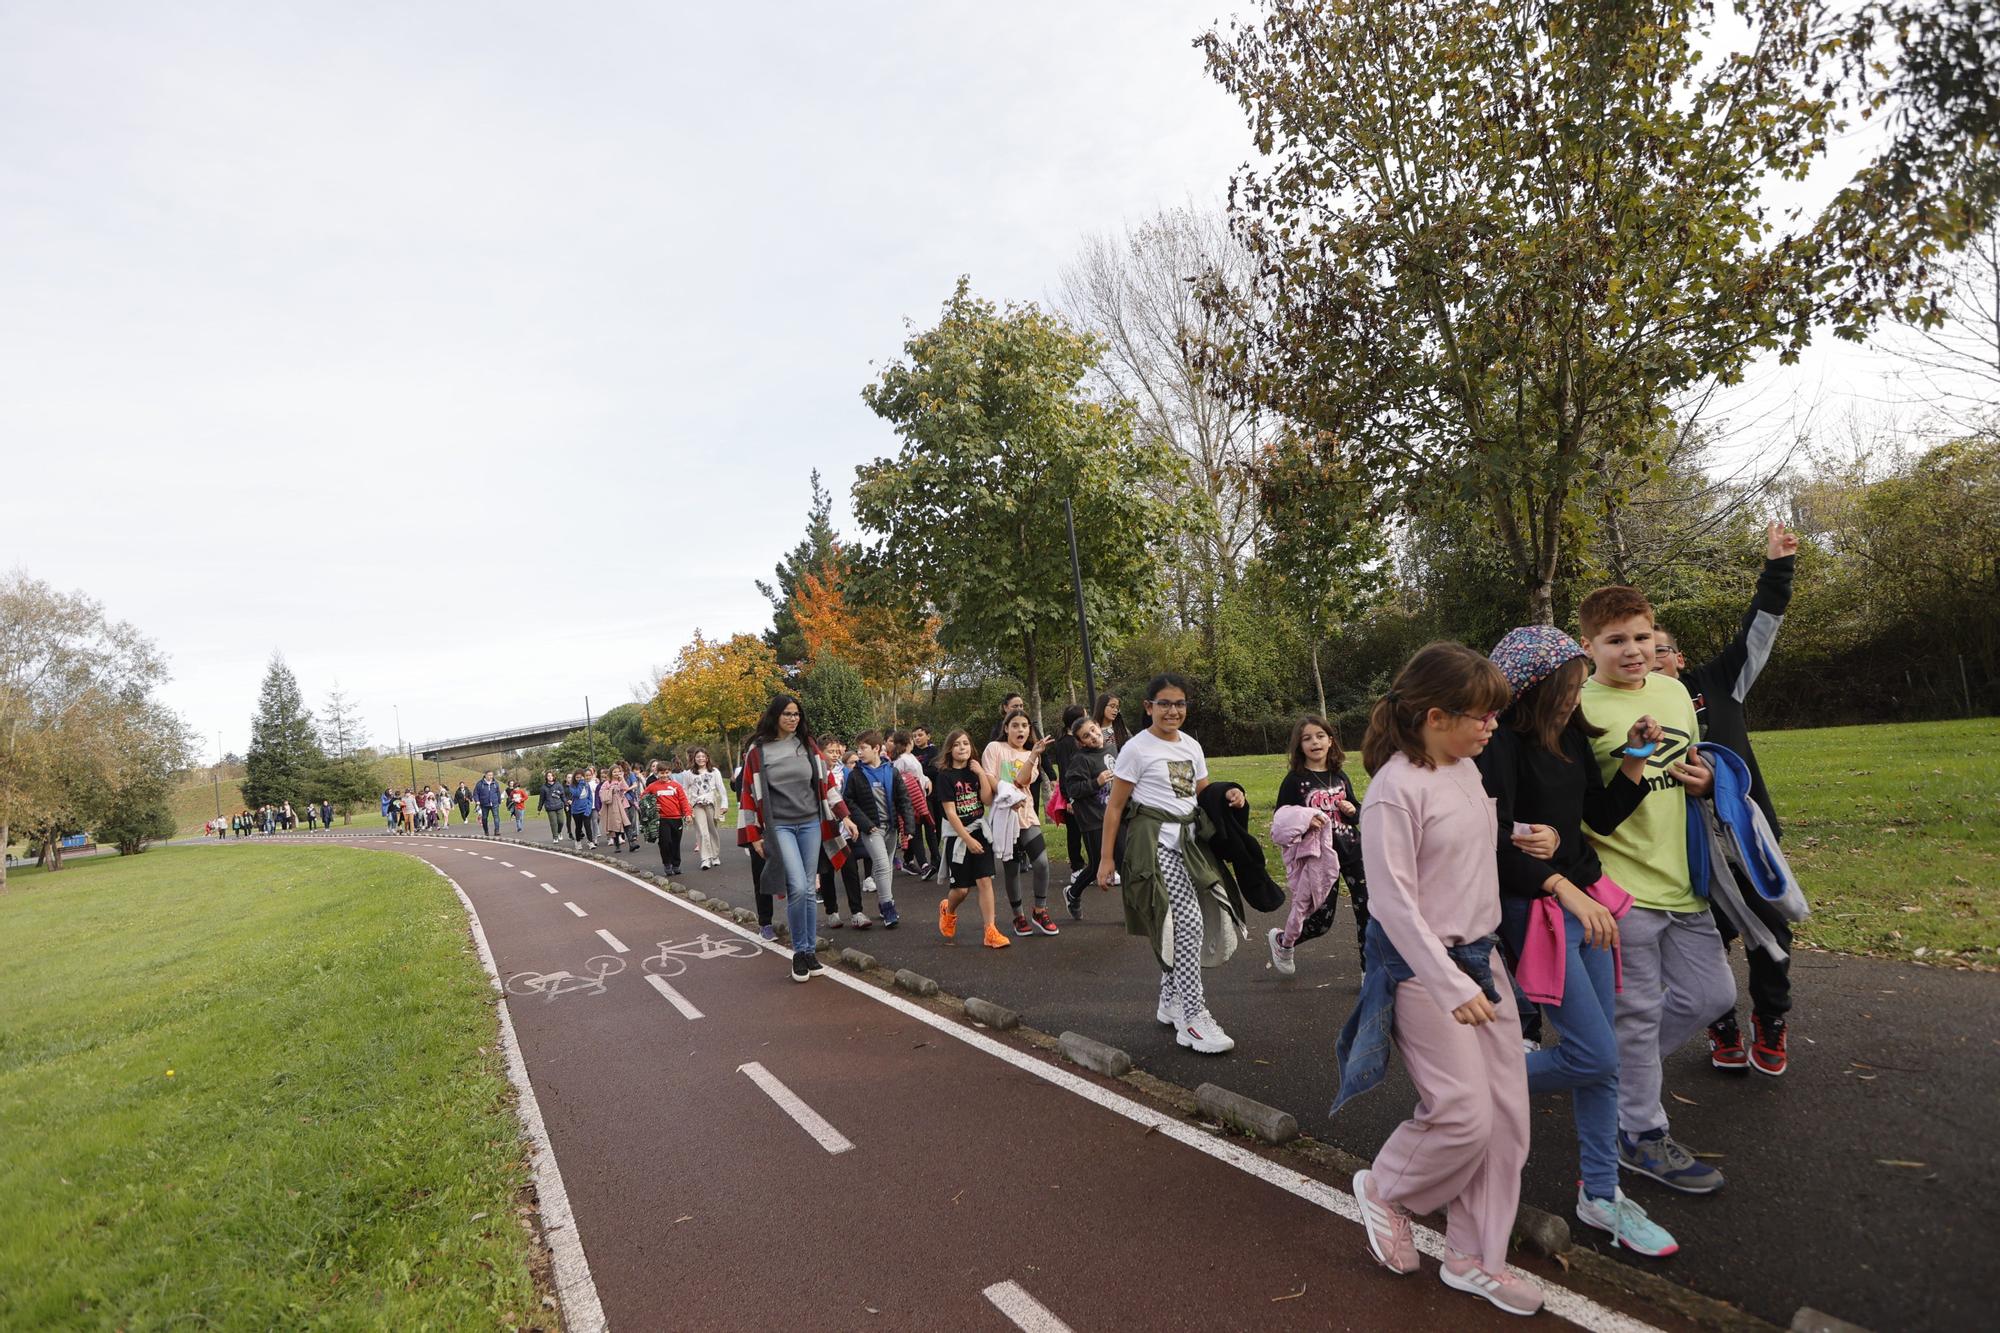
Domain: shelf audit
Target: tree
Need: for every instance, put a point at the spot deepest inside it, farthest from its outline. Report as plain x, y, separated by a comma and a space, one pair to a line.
887, 644
580, 750
835, 699
284, 753
77, 717
715, 690
996, 433
1495, 242
811, 553
1137, 294
1958, 362
1324, 548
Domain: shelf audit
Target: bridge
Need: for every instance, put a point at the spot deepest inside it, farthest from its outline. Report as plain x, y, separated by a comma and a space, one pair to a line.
492, 742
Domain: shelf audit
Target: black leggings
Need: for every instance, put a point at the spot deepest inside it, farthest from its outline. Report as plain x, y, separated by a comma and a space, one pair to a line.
765, 903
1085, 867
850, 875
1032, 855
580, 829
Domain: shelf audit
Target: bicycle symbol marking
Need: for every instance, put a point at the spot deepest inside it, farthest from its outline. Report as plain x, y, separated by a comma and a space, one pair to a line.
549, 985
672, 959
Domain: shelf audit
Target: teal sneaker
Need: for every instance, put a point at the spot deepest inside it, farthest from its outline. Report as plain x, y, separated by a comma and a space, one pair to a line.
1654, 1154
1628, 1224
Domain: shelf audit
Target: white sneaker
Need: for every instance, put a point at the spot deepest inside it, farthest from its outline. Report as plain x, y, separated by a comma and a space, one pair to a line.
868, 884
1168, 1013
1529, 1046
1508, 1289
1281, 957
1204, 1035
859, 921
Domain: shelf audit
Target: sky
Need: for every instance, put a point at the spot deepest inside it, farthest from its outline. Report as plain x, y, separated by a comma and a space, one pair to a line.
472, 356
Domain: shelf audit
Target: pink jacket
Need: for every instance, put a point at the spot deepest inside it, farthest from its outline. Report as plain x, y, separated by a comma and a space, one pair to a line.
1545, 960
1312, 866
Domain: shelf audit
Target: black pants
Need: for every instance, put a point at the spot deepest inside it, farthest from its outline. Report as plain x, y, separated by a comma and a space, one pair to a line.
670, 845
1770, 980
764, 900
580, 829
1074, 835
850, 875
1083, 861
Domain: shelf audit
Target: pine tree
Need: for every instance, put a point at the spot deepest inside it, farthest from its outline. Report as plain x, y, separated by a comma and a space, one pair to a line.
346, 777
810, 554
284, 756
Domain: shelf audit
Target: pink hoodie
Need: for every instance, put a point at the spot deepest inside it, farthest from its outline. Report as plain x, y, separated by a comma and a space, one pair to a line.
1312, 866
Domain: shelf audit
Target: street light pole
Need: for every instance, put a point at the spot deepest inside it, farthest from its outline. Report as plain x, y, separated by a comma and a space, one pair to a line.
404, 748
1082, 623
218, 775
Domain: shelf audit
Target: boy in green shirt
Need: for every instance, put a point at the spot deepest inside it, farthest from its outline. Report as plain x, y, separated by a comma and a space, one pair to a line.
1676, 974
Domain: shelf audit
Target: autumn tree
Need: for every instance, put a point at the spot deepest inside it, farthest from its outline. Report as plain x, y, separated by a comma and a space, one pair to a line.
886, 644
1494, 243
997, 431
810, 554
715, 690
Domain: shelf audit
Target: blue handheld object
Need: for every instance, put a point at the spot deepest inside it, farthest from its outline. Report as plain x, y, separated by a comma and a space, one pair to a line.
1640, 751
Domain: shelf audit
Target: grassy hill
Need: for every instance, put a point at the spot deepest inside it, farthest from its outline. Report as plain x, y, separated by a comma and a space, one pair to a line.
194, 803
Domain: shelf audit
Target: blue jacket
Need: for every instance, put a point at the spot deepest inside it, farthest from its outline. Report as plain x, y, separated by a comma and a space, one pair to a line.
582, 800
487, 793
1729, 836
1363, 1046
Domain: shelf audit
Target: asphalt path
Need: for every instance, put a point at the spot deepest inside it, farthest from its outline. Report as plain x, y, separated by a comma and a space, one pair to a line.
1862, 1183
742, 1151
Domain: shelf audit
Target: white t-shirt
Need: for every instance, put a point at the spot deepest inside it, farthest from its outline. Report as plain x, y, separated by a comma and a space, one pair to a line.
1164, 775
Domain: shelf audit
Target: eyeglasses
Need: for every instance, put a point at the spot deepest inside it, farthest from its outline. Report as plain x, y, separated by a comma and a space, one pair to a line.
1486, 719
1168, 705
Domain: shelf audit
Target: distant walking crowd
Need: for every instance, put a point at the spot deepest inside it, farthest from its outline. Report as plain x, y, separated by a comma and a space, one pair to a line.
270, 819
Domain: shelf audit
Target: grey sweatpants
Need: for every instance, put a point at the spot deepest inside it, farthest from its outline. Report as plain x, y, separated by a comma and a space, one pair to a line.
1676, 980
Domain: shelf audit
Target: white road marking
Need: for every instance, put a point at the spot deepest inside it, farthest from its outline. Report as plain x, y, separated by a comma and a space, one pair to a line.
811, 1121
674, 997
527, 874
550, 887
508, 864
582, 1312
574, 908
617, 945
1022, 1310
484, 857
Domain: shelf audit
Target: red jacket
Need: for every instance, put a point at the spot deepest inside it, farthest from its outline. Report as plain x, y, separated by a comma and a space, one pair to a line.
670, 797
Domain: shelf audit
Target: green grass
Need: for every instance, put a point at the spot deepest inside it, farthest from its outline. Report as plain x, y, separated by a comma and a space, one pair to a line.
334, 1145
1894, 832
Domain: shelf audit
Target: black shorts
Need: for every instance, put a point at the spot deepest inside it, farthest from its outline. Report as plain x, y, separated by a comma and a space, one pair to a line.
967, 873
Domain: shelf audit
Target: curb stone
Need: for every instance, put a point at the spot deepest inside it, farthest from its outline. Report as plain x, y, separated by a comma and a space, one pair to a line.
858, 959
1544, 1233
1094, 1054
916, 985
1246, 1115
1809, 1320
995, 1016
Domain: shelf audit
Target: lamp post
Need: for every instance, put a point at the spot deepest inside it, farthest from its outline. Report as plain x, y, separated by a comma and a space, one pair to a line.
218, 775
404, 748
1082, 624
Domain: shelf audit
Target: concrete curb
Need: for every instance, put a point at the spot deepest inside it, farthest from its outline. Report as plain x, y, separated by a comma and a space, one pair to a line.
995, 1016
1809, 1320
915, 984
857, 959
1247, 1116
1094, 1054
1544, 1233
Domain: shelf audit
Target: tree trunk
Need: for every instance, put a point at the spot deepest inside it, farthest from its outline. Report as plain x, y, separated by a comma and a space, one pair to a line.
3, 853
1032, 678
1318, 683
1542, 601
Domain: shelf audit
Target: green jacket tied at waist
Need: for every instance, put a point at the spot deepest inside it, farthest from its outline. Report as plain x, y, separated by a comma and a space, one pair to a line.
1146, 909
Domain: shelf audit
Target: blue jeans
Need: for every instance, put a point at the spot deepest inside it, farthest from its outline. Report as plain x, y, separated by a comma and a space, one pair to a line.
1586, 1060
798, 851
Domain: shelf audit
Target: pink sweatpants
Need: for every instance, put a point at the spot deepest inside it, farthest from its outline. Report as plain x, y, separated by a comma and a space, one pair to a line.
1464, 1147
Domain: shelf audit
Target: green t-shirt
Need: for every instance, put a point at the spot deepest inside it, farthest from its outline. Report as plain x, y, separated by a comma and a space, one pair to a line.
1647, 854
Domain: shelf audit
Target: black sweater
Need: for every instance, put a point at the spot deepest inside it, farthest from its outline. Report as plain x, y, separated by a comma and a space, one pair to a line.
1720, 685
1531, 786
1080, 789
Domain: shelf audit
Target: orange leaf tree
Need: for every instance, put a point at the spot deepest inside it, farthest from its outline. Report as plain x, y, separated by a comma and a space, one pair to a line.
887, 645
716, 689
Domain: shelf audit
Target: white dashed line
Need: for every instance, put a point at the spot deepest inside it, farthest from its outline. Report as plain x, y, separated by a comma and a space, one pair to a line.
674, 997
508, 864
811, 1121
574, 908
528, 874
550, 887
617, 945
1022, 1310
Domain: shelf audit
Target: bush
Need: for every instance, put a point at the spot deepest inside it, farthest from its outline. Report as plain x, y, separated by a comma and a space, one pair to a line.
136, 819
836, 700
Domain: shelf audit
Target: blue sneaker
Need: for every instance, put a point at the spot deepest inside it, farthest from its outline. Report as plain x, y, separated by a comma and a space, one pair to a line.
768, 932
1628, 1224
1654, 1154
890, 916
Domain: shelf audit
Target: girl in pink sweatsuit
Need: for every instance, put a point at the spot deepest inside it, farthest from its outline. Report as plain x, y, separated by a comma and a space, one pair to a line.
1427, 837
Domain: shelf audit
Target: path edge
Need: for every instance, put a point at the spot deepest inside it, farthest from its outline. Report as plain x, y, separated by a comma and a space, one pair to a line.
576, 1290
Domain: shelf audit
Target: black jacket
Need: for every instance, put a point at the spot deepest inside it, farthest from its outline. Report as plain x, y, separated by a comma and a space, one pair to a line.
1238, 854
864, 803
1080, 789
1720, 685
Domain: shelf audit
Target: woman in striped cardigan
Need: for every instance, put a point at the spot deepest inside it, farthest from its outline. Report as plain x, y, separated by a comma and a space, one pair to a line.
791, 807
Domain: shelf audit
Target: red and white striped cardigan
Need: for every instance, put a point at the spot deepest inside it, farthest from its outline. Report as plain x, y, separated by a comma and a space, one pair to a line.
750, 804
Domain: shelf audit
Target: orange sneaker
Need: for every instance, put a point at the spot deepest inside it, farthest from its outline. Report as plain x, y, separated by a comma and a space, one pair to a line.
995, 940
947, 919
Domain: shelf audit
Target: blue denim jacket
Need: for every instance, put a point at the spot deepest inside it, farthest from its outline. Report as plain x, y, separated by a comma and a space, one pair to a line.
1363, 1048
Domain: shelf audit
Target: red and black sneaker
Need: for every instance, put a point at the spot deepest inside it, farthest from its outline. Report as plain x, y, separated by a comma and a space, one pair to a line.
1725, 1046
1767, 1050
1042, 921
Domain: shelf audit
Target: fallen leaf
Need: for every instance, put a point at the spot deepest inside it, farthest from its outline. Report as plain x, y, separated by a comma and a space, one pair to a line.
1894, 1161
475, 1217
1711, 1156
1294, 1296
1685, 1101
871, 1309
684, 1217
1259, 1062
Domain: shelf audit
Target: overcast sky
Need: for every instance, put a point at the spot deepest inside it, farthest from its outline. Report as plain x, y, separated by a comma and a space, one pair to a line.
473, 355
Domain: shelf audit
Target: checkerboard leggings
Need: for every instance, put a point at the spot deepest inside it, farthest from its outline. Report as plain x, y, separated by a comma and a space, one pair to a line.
1180, 987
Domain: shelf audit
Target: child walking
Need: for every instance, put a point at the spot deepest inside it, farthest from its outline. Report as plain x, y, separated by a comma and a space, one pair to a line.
875, 799
1015, 760
1086, 788
1318, 783
963, 787
1559, 911
1427, 836
1174, 894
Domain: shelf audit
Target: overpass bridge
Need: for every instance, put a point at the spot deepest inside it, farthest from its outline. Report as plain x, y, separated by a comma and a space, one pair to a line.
492, 742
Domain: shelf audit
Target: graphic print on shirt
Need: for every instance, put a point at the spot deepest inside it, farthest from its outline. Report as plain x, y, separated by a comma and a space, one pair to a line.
965, 798
1180, 776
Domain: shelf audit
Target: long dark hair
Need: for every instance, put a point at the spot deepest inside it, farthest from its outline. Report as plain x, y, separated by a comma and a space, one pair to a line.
1115, 731
1537, 714
1448, 676
767, 725
1335, 756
